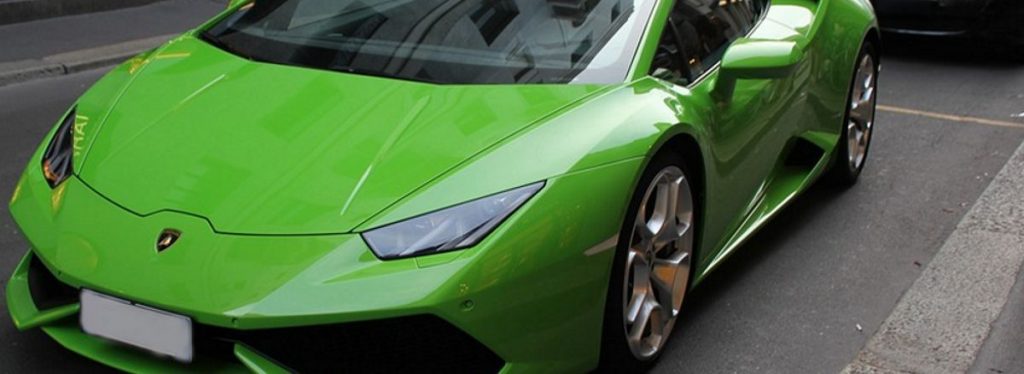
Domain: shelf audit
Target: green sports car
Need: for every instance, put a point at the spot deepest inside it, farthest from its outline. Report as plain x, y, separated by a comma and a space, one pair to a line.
432, 185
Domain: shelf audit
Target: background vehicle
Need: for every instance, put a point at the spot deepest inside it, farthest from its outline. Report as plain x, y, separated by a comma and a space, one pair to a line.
998, 21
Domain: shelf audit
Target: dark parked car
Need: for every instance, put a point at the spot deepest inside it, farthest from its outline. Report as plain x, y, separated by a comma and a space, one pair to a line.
1000, 21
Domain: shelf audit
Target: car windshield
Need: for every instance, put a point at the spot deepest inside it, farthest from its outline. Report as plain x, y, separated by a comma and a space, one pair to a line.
443, 41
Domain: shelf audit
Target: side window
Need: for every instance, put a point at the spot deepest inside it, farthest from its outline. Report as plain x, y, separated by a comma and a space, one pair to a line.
697, 34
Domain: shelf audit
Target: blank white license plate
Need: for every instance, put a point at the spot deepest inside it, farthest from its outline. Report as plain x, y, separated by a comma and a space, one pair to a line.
151, 329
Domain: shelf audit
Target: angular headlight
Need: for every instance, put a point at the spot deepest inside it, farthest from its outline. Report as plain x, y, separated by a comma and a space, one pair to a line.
57, 158
458, 227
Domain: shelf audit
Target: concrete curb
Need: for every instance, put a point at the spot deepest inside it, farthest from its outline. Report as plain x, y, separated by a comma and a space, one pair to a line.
15, 11
73, 62
942, 321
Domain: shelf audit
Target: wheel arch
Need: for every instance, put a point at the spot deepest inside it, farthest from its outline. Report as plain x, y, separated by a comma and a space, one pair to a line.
687, 146
874, 37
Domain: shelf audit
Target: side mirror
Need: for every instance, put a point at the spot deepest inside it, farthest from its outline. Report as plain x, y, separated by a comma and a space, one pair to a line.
755, 59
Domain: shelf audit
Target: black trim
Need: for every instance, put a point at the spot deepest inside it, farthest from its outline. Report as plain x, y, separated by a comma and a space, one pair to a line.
47, 291
412, 344
57, 158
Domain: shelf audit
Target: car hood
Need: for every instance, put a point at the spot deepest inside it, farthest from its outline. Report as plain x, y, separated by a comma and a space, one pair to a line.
258, 148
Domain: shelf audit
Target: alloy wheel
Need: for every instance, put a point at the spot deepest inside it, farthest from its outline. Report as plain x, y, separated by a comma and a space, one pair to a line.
862, 112
658, 262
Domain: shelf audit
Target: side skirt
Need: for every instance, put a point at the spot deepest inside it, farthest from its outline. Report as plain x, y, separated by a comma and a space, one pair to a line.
804, 160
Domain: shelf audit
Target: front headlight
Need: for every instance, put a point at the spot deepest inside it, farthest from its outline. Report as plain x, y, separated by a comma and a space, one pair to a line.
57, 158
449, 229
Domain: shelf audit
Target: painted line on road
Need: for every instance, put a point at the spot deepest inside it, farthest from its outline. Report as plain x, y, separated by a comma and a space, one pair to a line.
950, 117
940, 324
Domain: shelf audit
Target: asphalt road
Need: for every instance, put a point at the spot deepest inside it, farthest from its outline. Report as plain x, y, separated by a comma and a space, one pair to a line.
37, 39
805, 294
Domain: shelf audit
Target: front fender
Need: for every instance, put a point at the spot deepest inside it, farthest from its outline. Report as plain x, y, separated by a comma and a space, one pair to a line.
628, 122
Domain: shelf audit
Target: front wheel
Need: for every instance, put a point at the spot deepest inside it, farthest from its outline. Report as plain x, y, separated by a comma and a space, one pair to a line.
651, 269
858, 122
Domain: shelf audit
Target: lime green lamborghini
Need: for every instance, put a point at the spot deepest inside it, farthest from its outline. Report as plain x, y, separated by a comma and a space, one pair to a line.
432, 185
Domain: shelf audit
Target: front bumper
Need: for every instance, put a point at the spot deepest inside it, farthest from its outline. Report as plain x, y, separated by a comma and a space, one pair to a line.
531, 294
35, 298
427, 343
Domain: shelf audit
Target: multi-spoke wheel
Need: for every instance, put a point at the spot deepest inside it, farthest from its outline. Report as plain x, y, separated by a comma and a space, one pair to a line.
859, 121
862, 112
653, 265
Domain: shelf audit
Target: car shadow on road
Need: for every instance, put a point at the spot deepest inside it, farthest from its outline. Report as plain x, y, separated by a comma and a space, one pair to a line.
767, 242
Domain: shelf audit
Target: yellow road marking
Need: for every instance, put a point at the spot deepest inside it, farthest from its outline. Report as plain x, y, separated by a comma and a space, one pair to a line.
950, 117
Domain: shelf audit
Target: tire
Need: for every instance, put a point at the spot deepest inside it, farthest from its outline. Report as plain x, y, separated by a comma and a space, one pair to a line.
1001, 30
655, 289
1018, 54
858, 121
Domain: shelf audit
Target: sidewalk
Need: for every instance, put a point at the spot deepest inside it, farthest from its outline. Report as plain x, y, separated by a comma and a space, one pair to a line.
14, 11
963, 312
1003, 351
38, 39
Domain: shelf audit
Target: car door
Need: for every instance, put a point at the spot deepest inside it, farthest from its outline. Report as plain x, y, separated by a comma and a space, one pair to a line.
747, 131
